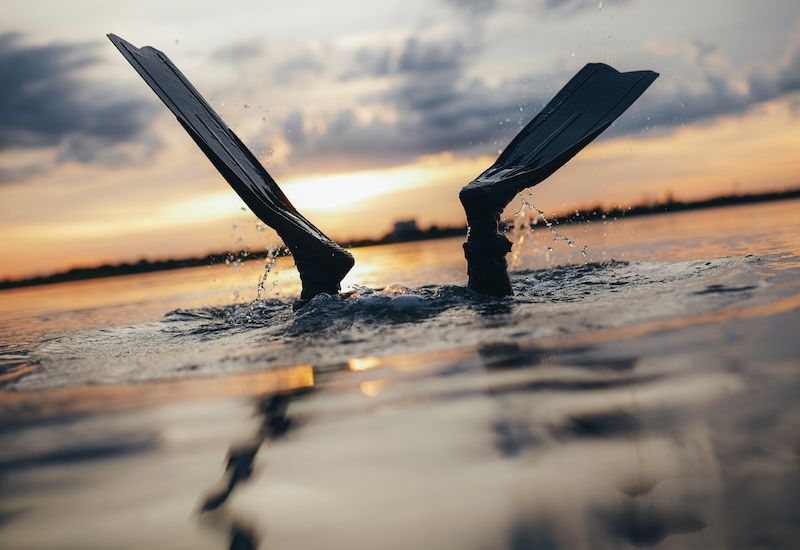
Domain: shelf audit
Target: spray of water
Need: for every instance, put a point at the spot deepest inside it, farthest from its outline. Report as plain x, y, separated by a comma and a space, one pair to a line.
556, 235
272, 257
521, 231
525, 220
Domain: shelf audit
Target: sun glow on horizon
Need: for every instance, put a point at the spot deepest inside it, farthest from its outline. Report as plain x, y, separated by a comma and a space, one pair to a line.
329, 192
364, 203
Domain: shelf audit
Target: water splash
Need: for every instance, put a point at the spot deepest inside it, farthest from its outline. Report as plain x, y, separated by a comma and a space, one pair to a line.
525, 220
272, 257
521, 231
557, 237
239, 252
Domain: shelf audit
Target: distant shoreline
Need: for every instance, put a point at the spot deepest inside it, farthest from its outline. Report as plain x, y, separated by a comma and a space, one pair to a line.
434, 232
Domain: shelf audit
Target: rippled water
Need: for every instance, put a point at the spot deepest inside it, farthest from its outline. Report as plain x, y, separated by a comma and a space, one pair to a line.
643, 396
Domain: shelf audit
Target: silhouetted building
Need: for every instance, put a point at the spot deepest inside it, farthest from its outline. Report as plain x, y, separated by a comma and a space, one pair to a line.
405, 228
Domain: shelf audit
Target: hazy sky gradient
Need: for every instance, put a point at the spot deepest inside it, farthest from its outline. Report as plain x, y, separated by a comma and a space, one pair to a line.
368, 112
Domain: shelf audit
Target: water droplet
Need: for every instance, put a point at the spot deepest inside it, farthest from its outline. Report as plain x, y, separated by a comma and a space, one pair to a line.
272, 256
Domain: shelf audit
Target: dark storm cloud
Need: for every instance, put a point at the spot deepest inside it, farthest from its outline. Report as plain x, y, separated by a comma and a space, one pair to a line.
240, 51
44, 103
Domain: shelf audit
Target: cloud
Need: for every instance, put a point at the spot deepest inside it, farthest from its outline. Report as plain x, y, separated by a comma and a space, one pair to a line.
784, 76
426, 73
299, 68
293, 129
23, 172
415, 55
449, 111
473, 7
420, 56
44, 104
718, 87
240, 51
437, 106
371, 62
572, 7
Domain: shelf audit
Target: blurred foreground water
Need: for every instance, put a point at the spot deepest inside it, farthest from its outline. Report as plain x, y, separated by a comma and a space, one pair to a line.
645, 395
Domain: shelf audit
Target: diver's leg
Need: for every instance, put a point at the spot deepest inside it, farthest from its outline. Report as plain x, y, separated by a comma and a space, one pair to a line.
486, 247
321, 266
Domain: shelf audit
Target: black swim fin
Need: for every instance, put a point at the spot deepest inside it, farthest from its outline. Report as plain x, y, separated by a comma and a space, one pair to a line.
321, 262
580, 112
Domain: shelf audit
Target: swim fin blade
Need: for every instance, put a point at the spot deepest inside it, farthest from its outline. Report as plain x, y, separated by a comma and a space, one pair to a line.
593, 99
321, 262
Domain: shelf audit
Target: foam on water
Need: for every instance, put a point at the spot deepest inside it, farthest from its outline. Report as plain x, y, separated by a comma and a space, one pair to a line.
555, 302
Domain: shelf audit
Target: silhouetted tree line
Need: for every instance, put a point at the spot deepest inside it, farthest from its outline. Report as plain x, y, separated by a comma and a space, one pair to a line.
433, 232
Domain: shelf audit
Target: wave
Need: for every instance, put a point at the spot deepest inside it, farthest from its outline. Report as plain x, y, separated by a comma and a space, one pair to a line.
395, 320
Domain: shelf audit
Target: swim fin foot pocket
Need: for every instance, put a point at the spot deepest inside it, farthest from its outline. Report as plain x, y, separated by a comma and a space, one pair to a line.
323, 274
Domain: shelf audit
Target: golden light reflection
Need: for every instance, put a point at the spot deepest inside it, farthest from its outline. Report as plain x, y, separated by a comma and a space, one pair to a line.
373, 388
17, 372
85, 399
357, 364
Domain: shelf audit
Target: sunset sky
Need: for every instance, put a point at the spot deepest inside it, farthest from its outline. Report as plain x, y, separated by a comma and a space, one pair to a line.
368, 112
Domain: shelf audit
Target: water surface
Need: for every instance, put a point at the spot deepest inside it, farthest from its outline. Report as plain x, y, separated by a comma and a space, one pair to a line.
644, 395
